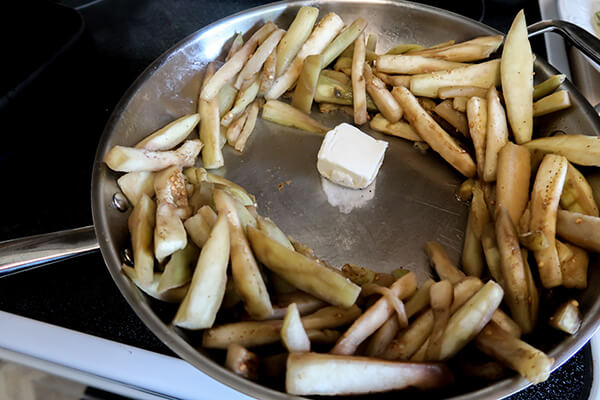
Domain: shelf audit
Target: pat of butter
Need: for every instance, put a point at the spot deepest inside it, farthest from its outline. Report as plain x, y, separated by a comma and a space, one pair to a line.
350, 157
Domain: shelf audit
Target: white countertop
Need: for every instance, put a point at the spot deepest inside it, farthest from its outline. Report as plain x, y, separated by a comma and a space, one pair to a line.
108, 365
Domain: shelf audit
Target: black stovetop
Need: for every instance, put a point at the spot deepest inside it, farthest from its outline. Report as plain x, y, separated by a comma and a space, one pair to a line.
51, 129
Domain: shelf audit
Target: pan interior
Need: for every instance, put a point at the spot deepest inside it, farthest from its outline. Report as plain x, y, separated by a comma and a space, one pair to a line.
382, 227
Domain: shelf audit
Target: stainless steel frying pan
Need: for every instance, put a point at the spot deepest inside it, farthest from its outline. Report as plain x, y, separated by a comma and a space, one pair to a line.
411, 202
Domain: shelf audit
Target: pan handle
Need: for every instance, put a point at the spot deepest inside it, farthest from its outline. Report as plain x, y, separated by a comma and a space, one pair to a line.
578, 37
34, 251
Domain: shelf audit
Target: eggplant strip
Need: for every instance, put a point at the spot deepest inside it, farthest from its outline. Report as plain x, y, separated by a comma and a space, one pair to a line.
358, 81
244, 268
477, 116
242, 361
455, 118
306, 274
135, 184
381, 339
496, 136
399, 129
283, 114
441, 299
512, 180
448, 92
129, 159
257, 333
516, 70
577, 194
554, 102
310, 373
295, 37
579, 149
513, 270
174, 295
580, 229
414, 64
574, 270
141, 226
229, 70
198, 309
530, 362
293, 334
472, 50
470, 319
420, 300
548, 86
170, 135
442, 264
545, 197
406, 344
433, 134
259, 57
374, 317
385, 102
325, 31
481, 75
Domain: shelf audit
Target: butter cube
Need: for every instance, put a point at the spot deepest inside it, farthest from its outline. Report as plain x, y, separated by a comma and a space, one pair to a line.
350, 157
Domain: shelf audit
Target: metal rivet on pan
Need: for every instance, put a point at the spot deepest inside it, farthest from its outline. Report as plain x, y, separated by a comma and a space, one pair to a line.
127, 256
120, 202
